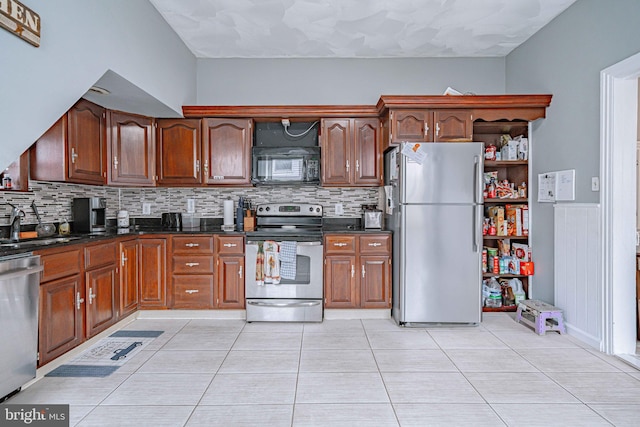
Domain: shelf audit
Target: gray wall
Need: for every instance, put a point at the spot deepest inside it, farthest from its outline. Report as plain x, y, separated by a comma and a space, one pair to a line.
565, 59
341, 81
80, 41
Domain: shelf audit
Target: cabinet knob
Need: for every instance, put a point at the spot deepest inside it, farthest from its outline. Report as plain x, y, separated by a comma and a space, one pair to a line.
192, 245
115, 162
240, 272
192, 264
363, 271
230, 245
353, 270
339, 244
74, 155
92, 296
347, 165
78, 300
191, 291
375, 244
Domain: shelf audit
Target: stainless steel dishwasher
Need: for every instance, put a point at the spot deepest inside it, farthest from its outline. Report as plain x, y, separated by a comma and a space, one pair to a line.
19, 290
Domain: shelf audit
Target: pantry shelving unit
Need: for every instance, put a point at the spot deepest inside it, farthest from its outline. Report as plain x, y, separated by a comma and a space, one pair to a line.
515, 171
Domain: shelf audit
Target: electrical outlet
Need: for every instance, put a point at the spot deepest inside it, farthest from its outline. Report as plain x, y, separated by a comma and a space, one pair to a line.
339, 209
191, 206
595, 183
146, 209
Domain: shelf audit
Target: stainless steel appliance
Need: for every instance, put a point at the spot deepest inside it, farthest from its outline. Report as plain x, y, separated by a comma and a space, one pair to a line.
299, 299
19, 290
89, 214
436, 219
171, 220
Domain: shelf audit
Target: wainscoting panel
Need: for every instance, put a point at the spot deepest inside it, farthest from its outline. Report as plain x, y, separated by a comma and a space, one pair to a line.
577, 274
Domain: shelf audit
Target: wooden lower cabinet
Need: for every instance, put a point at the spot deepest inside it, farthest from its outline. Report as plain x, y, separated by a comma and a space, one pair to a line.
230, 280
357, 272
153, 270
129, 278
100, 290
61, 319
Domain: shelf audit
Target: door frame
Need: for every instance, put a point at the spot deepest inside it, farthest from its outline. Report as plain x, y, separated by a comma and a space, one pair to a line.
618, 138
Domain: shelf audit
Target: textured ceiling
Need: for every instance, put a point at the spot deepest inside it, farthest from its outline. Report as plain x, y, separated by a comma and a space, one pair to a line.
356, 28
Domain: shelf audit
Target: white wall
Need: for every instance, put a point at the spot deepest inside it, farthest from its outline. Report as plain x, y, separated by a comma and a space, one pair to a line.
565, 59
341, 81
80, 41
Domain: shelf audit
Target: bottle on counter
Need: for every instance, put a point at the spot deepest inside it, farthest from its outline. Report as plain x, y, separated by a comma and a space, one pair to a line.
240, 215
6, 182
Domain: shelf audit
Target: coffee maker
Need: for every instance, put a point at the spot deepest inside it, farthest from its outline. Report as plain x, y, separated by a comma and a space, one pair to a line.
89, 214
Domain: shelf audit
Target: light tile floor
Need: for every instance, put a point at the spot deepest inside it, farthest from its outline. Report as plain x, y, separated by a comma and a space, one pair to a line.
351, 373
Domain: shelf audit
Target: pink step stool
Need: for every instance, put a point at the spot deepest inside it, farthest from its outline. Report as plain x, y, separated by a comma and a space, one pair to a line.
541, 313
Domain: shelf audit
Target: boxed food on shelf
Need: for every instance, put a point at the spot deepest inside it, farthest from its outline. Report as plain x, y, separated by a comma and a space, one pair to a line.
526, 268
521, 251
515, 215
509, 150
496, 213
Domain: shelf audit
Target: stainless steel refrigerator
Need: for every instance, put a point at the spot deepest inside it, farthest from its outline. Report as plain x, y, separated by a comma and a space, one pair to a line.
435, 210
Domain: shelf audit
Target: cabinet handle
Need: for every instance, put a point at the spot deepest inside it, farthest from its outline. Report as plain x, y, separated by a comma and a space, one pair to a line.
437, 129
115, 162
123, 259
363, 271
192, 264
192, 245
74, 155
191, 291
357, 165
92, 296
353, 270
339, 244
375, 244
240, 272
230, 245
78, 300
426, 130
206, 166
347, 165
198, 166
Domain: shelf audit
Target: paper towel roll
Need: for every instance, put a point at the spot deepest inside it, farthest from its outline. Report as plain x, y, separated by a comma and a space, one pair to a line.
228, 212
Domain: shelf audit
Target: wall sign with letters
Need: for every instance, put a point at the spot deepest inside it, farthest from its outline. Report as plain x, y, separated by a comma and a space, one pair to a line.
20, 20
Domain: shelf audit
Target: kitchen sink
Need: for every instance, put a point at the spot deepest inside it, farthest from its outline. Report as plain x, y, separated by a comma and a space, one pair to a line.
36, 242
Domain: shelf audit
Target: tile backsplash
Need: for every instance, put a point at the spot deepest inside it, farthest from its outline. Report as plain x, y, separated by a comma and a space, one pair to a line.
54, 199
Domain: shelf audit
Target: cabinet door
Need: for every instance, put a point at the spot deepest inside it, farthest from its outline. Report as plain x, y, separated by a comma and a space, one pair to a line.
178, 153
226, 147
131, 150
336, 152
453, 125
411, 125
153, 289
230, 281
367, 154
86, 129
61, 317
129, 273
101, 287
375, 281
340, 282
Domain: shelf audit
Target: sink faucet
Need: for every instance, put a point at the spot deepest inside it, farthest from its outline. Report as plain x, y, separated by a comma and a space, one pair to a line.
14, 221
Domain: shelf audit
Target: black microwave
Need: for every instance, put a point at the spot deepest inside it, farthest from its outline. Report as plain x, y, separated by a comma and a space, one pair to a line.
285, 165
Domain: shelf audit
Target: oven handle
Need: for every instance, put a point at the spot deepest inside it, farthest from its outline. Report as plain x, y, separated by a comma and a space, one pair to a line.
255, 242
284, 304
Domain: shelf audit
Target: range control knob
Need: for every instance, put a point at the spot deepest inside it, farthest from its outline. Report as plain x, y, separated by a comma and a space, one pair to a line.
260, 209
310, 208
267, 208
317, 209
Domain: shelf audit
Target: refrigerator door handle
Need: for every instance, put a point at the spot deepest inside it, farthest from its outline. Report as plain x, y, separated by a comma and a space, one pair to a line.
477, 225
477, 179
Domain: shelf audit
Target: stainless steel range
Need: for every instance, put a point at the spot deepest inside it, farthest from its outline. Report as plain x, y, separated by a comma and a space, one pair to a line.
283, 281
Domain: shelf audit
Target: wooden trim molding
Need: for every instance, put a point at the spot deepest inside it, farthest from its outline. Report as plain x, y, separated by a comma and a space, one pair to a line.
485, 107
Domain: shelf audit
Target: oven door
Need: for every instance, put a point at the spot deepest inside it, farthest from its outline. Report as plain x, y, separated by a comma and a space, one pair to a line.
307, 284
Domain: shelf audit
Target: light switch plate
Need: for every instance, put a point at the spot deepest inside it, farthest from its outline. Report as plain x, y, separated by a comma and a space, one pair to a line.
146, 209
339, 209
595, 183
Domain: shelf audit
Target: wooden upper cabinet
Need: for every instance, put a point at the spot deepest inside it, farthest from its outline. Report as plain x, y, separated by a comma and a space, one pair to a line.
367, 152
179, 152
73, 149
351, 153
130, 150
226, 150
411, 125
453, 125
336, 151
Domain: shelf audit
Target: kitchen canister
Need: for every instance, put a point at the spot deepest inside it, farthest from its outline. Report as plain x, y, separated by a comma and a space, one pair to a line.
123, 219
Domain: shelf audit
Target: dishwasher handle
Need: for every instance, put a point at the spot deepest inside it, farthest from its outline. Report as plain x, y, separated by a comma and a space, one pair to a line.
21, 272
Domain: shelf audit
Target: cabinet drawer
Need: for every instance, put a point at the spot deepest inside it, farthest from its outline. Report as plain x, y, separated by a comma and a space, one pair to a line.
340, 243
99, 255
193, 291
61, 264
183, 264
192, 244
230, 244
378, 244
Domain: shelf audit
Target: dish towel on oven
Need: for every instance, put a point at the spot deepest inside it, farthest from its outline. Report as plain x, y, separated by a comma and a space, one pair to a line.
260, 265
271, 262
288, 259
